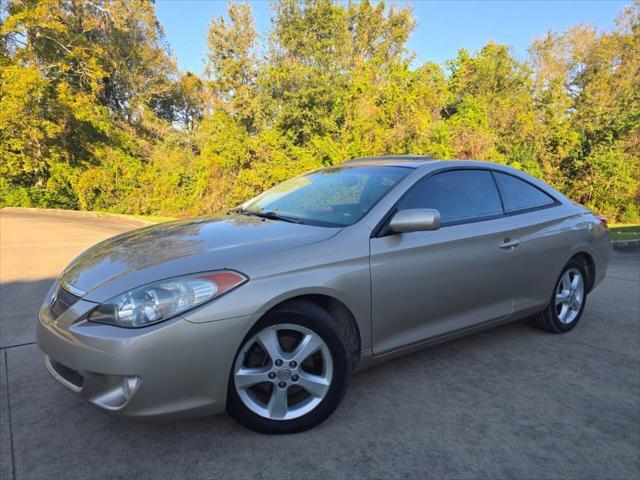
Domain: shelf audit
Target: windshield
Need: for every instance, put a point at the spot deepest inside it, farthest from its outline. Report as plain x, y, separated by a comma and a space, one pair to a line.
333, 197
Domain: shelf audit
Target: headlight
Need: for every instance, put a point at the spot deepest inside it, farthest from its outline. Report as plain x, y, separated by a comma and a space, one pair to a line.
162, 300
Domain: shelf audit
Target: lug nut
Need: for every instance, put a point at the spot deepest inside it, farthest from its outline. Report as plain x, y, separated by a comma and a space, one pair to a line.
294, 378
272, 375
282, 384
293, 364
278, 363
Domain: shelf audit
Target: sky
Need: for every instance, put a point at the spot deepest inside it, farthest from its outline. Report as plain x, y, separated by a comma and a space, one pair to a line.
444, 26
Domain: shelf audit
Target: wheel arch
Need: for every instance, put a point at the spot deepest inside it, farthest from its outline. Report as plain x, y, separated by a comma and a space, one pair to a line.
586, 259
344, 317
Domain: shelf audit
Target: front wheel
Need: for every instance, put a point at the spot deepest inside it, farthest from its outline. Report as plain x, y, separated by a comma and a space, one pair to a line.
567, 301
291, 371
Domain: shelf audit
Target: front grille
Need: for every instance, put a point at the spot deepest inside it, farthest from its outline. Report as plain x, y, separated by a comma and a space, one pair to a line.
62, 301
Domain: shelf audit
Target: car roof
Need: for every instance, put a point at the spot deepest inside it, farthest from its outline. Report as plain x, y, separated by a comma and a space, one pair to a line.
431, 164
412, 161
416, 161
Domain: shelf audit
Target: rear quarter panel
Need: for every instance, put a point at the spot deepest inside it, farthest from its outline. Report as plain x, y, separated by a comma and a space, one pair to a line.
548, 240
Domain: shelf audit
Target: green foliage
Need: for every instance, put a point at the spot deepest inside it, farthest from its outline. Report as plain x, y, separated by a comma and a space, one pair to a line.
95, 115
604, 180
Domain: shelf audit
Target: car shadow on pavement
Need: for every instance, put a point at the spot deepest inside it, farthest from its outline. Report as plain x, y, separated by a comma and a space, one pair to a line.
19, 305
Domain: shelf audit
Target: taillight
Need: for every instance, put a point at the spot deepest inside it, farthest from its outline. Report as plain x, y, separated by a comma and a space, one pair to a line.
603, 221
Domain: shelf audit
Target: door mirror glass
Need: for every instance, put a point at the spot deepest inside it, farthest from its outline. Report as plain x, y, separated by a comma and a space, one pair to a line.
415, 220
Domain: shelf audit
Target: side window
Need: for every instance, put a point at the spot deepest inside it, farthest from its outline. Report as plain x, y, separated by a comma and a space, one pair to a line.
459, 196
519, 195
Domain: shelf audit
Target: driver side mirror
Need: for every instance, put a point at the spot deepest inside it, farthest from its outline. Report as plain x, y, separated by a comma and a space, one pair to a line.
415, 220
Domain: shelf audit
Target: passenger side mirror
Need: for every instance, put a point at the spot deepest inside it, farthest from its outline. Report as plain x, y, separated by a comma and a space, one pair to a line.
415, 220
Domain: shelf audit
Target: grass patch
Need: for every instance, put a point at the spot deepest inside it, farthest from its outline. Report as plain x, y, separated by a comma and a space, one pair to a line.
625, 231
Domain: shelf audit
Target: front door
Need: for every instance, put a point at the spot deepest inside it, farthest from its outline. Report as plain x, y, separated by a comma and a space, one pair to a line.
428, 284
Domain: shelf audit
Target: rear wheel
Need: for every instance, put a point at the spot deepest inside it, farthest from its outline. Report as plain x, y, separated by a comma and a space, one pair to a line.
291, 371
567, 301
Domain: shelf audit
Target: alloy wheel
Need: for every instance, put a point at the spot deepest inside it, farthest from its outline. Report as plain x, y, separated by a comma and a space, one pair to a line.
569, 295
283, 372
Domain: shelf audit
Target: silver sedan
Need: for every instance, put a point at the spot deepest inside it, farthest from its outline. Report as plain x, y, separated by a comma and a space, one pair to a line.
268, 310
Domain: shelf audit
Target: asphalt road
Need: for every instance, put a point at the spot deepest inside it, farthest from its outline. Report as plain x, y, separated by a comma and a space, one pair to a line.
512, 402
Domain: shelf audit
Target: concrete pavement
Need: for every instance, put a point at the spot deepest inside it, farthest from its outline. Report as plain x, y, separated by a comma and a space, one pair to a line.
35, 249
512, 402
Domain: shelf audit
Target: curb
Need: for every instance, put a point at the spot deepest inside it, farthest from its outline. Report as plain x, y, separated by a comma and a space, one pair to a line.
81, 214
626, 244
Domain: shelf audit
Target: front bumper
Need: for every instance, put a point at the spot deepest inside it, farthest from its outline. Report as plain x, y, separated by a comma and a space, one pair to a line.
174, 369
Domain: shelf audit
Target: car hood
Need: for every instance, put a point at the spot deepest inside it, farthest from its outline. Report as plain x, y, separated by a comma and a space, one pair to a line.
161, 251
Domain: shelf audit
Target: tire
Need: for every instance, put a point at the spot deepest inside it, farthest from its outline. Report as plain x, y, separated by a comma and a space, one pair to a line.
326, 372
560, 318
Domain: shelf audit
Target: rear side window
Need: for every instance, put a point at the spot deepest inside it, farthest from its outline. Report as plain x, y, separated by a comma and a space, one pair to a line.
519, 195
459, 195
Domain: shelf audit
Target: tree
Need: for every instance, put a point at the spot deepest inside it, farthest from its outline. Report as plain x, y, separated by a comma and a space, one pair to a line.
491, 108
77, 73
233, 65
588, 99
94, 113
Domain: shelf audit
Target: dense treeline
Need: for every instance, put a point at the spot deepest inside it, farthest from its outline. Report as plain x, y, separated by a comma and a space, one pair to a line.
94, 113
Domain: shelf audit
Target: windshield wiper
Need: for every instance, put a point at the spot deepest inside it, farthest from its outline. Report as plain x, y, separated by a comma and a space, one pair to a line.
270, 214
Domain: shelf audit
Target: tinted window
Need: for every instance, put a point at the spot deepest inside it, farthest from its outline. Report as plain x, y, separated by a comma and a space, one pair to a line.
520, 195
459, 195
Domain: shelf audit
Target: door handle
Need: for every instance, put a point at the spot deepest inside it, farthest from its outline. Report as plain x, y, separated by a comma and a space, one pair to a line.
508, 243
